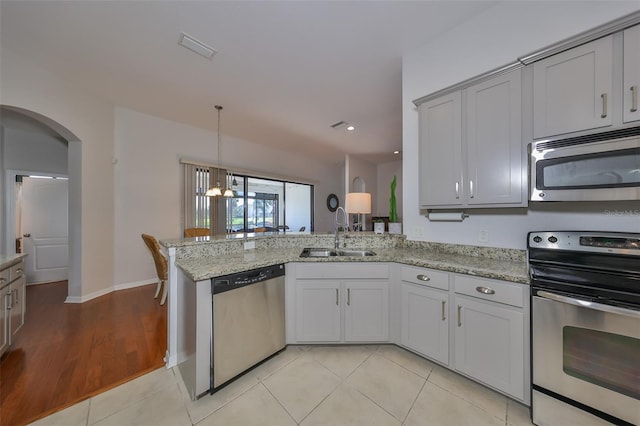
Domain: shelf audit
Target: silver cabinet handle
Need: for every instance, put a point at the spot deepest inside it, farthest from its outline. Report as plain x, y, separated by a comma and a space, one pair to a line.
634, 98
470, 189
7, 301
457, 189
604, 105
2, 280
459, 316
444, 303
337, 297
485, 290
19, 271
423, 277
348, 297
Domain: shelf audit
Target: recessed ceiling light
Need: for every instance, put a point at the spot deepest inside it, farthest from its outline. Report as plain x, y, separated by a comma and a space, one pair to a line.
351, 128
396, 152
196, 46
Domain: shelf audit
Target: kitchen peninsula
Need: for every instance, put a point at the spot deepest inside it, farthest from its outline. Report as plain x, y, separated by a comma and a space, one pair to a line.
422, 295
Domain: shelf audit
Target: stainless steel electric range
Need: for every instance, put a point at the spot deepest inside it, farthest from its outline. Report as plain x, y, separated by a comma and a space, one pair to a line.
585, 298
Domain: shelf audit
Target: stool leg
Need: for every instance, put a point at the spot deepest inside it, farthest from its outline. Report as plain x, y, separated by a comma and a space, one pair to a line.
164, 293
158, 289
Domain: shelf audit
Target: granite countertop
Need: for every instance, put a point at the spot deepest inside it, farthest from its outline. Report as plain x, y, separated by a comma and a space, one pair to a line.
7, 260
206, 267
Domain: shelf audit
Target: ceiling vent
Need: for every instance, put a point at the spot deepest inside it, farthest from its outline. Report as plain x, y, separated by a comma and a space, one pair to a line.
196, 46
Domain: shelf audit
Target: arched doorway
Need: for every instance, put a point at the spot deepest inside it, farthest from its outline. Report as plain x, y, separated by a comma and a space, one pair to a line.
7, 180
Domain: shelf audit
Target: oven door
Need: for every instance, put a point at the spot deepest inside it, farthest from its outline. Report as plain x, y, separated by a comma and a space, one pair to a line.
588, 352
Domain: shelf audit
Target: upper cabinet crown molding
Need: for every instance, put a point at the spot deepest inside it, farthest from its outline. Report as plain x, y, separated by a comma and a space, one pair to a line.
588, 36
603, 30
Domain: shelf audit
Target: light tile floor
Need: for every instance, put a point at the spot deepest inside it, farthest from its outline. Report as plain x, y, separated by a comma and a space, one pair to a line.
308, 385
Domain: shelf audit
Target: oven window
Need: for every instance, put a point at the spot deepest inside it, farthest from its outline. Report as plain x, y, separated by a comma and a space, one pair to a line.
615, 169
603, 359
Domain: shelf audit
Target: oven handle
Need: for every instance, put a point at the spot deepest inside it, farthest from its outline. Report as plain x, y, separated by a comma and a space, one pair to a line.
588, 304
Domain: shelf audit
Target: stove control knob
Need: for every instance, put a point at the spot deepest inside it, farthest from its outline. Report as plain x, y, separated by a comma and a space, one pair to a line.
552, 239
537, 239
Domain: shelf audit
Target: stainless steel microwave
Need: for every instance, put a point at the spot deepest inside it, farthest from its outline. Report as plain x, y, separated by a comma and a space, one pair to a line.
597, 167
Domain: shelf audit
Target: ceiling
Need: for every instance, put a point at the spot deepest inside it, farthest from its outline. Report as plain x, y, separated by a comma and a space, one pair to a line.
284, 71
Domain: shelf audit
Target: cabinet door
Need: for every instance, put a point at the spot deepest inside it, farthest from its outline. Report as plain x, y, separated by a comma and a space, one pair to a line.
5, 301
494, 141
17, 307
424, 322
366, 311
631, 111
441, 151
489, 342
318, 311
572, 90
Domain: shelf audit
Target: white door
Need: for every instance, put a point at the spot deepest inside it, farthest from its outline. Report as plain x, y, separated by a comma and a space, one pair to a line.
44, 227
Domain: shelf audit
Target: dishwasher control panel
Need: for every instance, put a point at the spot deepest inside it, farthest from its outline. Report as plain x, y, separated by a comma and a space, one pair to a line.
241, 279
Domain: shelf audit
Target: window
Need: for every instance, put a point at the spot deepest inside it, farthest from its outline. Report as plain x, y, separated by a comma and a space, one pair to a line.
258, 204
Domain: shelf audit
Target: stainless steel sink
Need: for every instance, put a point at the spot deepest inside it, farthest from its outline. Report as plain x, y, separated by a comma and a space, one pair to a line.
326, 252
318, 252
355, 253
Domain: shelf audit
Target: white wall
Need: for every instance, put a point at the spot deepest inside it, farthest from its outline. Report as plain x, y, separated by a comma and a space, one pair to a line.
26, 85
148, 183
33, 151
385, 172
497, 37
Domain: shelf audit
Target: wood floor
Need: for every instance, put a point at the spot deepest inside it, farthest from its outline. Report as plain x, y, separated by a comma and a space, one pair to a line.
66, 353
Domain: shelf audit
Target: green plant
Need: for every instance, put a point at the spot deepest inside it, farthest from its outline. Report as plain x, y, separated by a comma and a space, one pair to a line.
393, 208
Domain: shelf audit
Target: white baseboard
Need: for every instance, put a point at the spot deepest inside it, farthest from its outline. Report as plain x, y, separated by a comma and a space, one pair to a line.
117, 287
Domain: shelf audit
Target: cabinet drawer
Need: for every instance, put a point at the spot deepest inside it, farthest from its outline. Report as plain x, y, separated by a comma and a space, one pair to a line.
426, 277
16, 271
5, 277
496, 291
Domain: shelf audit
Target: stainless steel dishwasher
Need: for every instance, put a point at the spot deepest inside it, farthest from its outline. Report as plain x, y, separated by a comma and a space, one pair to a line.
248, 321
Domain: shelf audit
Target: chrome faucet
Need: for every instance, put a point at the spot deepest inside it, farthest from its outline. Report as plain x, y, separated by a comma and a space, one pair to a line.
344, 224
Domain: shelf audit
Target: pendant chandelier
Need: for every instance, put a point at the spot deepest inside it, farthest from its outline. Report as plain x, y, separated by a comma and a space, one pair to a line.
216, 191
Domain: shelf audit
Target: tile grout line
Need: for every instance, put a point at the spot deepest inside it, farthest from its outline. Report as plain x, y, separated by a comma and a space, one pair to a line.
402, 422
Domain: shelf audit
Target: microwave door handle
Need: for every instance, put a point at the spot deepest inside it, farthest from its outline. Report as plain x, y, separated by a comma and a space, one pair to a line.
589, 305
634, 98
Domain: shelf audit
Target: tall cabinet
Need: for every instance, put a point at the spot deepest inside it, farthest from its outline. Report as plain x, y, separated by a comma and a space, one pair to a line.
471, 150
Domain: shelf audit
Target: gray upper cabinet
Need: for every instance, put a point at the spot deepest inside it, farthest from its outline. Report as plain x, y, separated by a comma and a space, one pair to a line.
631, 80
471, 150
572, 91
441, 151
495, 161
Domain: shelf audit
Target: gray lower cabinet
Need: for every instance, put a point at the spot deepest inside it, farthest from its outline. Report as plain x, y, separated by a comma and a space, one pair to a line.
483, 333
12, 303
339, 302
424, 316
490, 335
